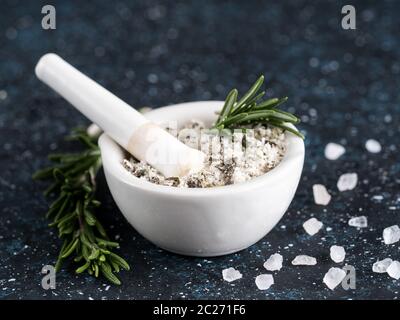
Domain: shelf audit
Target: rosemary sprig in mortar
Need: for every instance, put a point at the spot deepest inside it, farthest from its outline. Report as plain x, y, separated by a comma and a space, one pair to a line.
72, 213
250, 109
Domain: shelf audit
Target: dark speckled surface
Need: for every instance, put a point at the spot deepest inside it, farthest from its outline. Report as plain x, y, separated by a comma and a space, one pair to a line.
344, 84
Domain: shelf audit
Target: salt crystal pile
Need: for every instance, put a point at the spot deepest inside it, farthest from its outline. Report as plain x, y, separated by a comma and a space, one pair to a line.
359, 222
334, 277
391, 234
382, 265
334, 151
373, 146
312, 226
337, 253
231, 274
304, 260
347, 181
321, 195
264, 281
228, 161
274, 262
394, 270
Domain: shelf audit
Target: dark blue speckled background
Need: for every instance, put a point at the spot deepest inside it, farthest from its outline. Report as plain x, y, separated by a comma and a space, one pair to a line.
343, 84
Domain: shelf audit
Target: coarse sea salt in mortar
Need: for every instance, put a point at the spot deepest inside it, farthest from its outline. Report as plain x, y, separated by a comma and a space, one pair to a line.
246, 153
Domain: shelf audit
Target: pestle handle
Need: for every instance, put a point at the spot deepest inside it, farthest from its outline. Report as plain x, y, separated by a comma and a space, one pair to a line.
129, 128
98, 104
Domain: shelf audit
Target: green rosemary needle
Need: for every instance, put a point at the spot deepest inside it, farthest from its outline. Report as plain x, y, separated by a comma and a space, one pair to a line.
72, 213
251, 110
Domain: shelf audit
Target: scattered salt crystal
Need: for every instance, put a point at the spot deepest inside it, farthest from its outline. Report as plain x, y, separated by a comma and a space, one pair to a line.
145, 109
312, 226
334, 151
321, 195
347, 181
304, 260
264, 281
377, 198
93, 130
337, 253
394, 270
274, 262
359, 222
334, 277
231, 274
373, 146
382, 265
391, 234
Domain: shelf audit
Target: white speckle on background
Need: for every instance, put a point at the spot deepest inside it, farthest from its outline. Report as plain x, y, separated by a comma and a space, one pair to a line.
264, 281
152, 78
334, 277
231, 274
337, 253
312, 226
359, 222
373, 146
377, 198
334, 151
387, 118
304, 260
274, 262
347, 181
3, 94
321, 195
391, 234
313, 62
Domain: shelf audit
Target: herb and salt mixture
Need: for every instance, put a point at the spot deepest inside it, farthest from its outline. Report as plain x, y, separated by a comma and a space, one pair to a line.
246, 153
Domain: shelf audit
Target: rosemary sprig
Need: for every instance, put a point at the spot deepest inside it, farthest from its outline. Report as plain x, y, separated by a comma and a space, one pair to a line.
72, 213
250, 109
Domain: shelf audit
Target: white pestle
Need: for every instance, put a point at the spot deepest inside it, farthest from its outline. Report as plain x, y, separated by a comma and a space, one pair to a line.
143, 139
